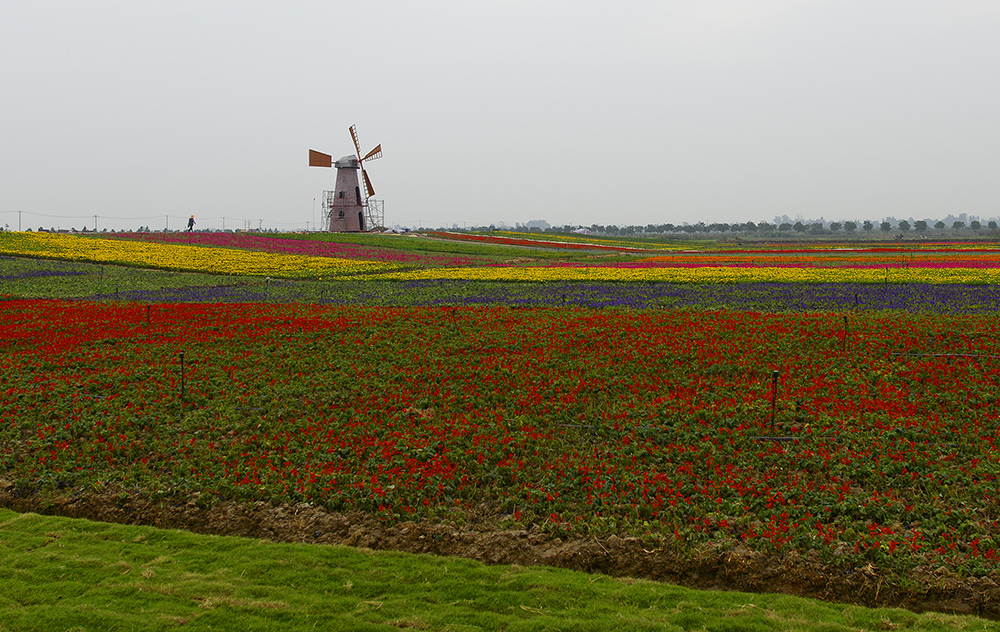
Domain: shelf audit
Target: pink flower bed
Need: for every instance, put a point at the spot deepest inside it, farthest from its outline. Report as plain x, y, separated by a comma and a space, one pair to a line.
297, 247
638, 265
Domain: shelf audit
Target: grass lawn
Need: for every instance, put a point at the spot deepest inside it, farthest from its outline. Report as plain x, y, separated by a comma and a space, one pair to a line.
69, 574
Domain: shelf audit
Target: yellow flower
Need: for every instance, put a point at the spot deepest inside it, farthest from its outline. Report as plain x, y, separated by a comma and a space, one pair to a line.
180, 257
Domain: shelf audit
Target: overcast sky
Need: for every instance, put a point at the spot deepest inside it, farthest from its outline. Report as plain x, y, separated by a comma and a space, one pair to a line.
580, 112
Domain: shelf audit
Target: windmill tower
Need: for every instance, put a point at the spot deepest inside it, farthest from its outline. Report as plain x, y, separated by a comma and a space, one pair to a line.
348, 207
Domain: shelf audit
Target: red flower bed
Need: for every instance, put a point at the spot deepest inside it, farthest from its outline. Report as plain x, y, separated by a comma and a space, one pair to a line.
645, 422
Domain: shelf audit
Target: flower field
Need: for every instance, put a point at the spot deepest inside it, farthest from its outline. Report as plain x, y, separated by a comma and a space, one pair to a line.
656, 424
556, 260
419, 397
535, 241
312, 248
705, 274
931, 298
917, 298
179, 256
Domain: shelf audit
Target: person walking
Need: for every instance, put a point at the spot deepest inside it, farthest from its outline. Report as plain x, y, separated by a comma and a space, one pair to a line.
191, 224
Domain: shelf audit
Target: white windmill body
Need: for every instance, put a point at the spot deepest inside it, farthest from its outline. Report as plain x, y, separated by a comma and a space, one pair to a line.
347, 204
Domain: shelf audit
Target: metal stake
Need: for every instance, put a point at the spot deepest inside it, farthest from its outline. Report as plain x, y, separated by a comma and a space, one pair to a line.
774, 397
182, 378
845, 334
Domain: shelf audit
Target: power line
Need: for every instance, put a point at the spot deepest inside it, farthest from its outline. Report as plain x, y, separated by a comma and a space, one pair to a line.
145, 217
53, 216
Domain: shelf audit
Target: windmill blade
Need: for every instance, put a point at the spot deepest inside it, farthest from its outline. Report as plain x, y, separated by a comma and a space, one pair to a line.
319, 159
354, 137
373, 154
368, 183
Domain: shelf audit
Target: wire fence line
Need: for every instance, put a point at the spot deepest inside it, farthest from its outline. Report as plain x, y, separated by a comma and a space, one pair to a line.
25, 218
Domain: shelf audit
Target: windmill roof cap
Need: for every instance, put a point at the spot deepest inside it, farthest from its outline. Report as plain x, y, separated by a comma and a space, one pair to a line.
347, 162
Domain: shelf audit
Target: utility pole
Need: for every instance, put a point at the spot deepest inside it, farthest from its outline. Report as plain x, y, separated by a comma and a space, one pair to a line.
166, 223
95, 223
19, 221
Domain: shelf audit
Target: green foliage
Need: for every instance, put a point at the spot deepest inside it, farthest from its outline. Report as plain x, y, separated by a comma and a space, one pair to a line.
43, 278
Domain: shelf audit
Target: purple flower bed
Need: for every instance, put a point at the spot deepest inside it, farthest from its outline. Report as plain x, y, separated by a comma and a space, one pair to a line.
771, 297
219, 294
38, 274
775, 297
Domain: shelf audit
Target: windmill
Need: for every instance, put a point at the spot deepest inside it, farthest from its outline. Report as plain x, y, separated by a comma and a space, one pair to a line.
348, 210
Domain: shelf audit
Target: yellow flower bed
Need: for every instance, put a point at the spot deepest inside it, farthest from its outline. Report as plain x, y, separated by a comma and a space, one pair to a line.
707, 275
179, 256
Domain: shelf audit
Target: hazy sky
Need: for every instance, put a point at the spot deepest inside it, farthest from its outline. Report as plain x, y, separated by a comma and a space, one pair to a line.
579, 112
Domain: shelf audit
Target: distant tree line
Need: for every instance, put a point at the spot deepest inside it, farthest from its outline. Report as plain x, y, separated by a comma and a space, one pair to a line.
900, 228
